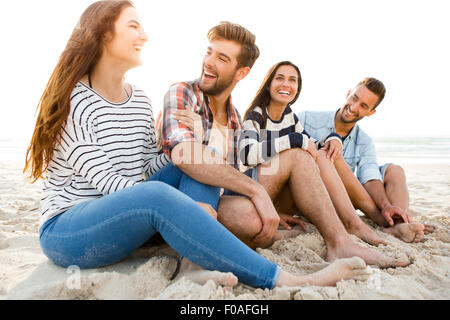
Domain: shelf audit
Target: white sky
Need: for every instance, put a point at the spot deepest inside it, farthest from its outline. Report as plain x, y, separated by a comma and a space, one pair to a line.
335, 43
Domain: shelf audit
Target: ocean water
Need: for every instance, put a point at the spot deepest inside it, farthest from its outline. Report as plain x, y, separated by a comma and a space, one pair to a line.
417, 150
401, 150
13, 149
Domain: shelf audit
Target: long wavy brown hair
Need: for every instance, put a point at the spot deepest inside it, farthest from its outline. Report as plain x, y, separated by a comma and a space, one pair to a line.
82, 52
262, 97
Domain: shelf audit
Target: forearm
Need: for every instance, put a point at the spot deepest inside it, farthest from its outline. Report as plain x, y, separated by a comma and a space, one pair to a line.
375, 188
205, 166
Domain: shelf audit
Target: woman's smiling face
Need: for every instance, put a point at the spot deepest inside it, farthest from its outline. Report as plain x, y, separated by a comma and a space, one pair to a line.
284, 86
129, 39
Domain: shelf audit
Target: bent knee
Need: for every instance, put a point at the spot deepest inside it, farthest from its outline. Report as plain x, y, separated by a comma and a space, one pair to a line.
239, 215
297, 155
156, 190
251, 219
394, 170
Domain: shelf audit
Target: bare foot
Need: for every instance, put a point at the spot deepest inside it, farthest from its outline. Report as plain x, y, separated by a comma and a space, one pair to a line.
193, 272
408, 232
342, 269
365, 233
348, 249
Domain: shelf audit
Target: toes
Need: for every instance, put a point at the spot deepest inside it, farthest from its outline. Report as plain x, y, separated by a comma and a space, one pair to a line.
363, 277
419, 237
224, 279
356, 263
402, 263
429, 229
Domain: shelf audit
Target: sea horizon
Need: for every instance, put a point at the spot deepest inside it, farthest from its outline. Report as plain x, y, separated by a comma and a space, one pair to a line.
405, 149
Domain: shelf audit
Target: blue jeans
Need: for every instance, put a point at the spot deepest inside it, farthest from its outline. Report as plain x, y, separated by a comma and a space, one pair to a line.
251, 173
106, 230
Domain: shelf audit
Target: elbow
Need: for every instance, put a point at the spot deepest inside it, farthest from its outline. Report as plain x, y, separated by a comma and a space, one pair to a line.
186, 153
177, 155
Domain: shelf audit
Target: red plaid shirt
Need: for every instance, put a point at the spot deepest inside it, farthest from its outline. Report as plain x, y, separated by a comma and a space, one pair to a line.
188, 95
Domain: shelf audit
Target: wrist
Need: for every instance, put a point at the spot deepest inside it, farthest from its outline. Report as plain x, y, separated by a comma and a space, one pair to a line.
385, 205
254, 190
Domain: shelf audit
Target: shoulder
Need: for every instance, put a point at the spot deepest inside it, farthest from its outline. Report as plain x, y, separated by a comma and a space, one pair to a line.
82, 97
317, 117
185, 86
255, 115
140, 95
79, 89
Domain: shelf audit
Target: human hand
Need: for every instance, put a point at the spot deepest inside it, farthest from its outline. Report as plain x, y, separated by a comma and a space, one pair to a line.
391, 213
269, 216
209, 209
191, 120
333, 149
286, 220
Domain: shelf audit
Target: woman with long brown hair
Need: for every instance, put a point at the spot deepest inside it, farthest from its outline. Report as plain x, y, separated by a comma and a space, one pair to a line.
95, 139
271, 127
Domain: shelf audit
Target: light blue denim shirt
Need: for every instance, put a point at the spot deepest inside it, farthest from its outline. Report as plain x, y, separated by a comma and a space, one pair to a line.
358, 148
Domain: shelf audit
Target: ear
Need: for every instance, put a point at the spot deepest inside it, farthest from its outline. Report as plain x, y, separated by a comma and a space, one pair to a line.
241, 73
107, 37
348, 94
371, 112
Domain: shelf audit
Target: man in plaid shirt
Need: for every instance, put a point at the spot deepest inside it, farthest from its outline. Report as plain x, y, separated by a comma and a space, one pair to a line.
200, 129
188, 95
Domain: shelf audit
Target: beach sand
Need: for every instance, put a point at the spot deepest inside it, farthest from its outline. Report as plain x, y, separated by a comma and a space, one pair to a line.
25, 272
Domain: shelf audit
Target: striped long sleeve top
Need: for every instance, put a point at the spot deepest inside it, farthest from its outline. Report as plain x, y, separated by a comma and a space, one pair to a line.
104, 147
258, 144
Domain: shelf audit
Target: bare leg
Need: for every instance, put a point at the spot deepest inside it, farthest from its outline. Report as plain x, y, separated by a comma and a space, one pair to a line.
239, 215
358, 194
310, 196
398, 195
395, 184
342, 203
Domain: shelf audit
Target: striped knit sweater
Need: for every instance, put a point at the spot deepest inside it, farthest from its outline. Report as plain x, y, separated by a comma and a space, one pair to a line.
258, 145
105, 147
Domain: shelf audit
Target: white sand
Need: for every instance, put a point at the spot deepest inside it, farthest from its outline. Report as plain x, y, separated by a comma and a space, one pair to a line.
25, 273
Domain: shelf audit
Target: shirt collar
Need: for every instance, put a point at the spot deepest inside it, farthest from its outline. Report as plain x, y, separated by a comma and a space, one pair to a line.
233, 115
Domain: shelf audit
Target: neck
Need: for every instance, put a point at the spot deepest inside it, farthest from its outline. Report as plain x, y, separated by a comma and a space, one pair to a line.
275, 110
108, 79
342, 128
219, 105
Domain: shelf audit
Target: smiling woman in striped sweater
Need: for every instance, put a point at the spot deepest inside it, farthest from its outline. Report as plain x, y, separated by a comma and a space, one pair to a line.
271, 127
94, 141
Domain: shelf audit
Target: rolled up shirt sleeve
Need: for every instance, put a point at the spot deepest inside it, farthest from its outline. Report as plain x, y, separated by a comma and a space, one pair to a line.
367, 166
179, 97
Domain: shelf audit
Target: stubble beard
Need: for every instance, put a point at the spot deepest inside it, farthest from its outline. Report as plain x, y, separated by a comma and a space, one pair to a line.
219, 86
355, 120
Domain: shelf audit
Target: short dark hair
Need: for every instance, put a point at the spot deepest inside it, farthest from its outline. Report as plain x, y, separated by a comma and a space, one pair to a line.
234, 32
375, 86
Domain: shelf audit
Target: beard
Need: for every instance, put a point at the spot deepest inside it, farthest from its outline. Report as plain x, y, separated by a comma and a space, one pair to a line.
344, 120
217, 87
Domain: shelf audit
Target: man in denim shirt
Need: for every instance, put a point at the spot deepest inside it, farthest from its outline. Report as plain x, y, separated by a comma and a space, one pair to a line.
380, 192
